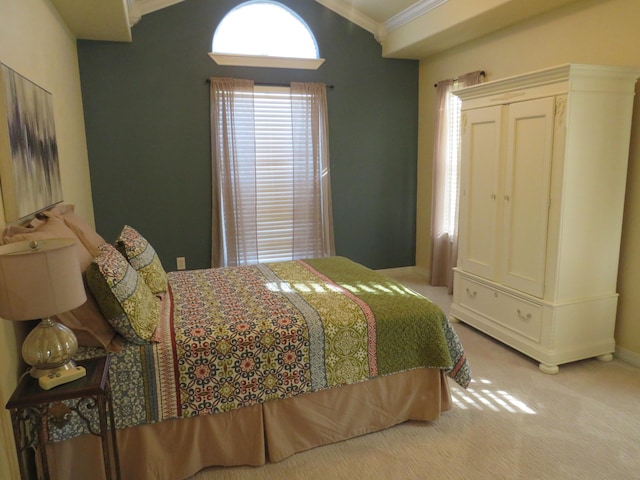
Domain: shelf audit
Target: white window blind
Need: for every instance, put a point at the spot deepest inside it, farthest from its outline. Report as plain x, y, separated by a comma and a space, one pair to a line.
274, 173
452, 167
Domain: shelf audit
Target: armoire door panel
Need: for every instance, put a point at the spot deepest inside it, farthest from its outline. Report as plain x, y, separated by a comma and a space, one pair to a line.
481, 130
526, 196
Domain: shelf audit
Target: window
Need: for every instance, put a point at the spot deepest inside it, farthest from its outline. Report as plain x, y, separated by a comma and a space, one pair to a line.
275, 167
271, 174
446, 179
267, 34
264, 28
452, 182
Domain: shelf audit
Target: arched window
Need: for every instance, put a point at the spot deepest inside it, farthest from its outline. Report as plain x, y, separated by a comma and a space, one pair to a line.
267, 34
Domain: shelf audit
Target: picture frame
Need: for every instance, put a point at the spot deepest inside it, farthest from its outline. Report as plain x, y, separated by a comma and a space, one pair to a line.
29, 164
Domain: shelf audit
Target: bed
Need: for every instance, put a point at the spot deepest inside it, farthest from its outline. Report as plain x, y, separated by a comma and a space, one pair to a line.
251, 364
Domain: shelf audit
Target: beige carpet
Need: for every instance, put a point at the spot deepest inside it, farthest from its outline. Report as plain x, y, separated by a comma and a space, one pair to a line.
513, 423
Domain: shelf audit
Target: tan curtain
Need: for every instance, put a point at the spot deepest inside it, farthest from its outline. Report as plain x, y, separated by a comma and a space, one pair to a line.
444, 244
313, 220
234, 234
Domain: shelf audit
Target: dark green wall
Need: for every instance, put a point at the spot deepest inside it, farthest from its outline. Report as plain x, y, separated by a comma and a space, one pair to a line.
147, 120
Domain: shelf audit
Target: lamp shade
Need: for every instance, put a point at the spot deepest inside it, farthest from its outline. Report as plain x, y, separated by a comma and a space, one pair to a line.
39, 279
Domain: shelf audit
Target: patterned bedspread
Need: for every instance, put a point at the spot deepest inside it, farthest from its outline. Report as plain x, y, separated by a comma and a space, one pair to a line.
233, 337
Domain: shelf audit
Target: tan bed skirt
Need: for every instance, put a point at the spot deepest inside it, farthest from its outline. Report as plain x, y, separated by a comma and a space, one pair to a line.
177, 449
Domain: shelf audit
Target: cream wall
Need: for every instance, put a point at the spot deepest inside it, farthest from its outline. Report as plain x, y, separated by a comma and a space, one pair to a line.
35, 42
591, 31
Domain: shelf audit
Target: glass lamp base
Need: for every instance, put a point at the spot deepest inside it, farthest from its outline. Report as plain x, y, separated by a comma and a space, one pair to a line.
49, 349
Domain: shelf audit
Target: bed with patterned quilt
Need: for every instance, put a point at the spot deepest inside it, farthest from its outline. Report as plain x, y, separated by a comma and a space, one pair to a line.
250, 364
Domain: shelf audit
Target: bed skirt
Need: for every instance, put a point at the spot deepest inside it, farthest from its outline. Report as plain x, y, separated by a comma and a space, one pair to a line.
273, 431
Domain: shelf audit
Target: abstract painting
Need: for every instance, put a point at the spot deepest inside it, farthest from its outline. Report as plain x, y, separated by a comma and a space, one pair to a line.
29, 169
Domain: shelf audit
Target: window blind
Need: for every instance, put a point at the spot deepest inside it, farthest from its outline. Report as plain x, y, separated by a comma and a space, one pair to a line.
452, 167
274, 173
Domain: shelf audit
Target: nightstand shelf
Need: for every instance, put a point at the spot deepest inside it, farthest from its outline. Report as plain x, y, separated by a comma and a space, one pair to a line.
33, 408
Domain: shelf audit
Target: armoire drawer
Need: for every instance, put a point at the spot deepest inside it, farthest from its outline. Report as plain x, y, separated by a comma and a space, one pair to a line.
519, 315
504, 309
476, 297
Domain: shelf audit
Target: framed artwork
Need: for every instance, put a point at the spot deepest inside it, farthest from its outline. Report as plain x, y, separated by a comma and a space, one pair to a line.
29, 168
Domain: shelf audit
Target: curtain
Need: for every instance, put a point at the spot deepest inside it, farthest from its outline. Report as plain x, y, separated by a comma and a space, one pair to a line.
444, 239
234, 233
236, 211
312, 219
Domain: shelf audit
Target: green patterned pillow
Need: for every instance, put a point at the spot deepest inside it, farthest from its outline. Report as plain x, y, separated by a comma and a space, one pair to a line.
143, 259
123, 297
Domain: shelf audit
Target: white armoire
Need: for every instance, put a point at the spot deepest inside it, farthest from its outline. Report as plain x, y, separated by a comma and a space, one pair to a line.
543, 174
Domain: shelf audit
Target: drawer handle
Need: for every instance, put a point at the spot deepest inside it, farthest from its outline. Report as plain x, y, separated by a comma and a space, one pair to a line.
471, 294
524, 317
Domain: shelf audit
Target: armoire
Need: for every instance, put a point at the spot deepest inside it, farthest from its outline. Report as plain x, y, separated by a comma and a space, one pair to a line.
542, 188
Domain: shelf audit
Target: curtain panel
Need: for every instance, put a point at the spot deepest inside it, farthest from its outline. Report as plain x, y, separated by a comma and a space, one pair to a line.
234, 235
313, 218
444, 243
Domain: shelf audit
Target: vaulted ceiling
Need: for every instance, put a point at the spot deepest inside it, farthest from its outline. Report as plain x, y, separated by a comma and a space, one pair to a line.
405, 28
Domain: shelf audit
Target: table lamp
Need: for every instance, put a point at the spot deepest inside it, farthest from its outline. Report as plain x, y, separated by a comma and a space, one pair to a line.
38, 280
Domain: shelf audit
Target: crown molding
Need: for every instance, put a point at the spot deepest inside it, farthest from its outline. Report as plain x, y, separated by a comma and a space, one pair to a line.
569, 77
342, 8
410, 14
381, 30
353, 15
148, 6
135, 14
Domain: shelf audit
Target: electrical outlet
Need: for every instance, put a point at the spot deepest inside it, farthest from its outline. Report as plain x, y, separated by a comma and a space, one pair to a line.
181, 263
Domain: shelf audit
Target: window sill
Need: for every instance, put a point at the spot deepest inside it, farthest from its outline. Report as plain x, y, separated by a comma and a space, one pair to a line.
267, 61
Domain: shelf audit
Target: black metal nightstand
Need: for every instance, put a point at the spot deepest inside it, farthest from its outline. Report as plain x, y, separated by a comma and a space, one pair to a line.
30, 405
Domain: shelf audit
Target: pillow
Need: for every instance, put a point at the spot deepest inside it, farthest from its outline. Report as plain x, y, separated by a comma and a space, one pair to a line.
143, 259
86, 321
90, 326
91, 240
122, 295
50, 228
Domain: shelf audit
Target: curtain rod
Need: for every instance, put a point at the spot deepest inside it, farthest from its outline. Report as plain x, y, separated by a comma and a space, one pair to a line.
266, 84
482, 74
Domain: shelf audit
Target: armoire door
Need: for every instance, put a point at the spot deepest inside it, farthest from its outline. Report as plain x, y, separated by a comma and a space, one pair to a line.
526, 196
480, 176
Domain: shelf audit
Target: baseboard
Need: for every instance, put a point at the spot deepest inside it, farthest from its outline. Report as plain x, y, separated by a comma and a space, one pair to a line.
423, 272
411, 270
397, 270
627, 356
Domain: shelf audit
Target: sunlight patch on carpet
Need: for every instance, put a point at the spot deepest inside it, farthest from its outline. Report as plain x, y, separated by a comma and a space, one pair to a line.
482, 398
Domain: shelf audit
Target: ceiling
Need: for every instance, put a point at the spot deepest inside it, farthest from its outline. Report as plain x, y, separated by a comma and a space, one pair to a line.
405, 28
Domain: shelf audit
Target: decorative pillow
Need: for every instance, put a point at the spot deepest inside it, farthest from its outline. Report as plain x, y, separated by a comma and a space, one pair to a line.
143, 258
122, 295
86, 321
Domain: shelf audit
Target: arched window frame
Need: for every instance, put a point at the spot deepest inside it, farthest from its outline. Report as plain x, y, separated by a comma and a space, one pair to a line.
267, 61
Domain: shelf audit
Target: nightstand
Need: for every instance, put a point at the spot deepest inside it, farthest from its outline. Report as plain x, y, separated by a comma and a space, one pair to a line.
33, 408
